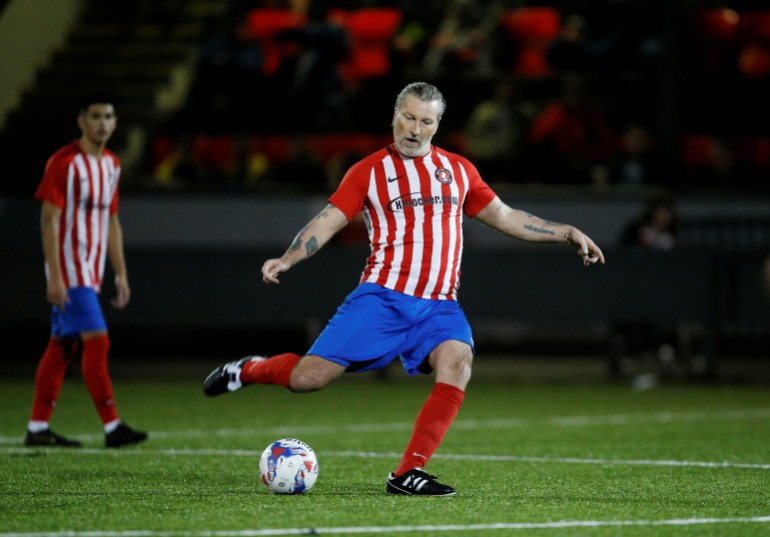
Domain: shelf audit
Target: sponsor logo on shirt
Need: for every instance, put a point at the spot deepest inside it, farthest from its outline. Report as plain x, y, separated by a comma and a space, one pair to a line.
418, 199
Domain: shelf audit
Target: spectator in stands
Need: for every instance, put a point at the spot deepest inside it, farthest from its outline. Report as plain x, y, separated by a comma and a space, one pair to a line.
411, 42
466, 38
638, 162
228, 74
494, 131
610, 34
570, 138
314, 90
655, 228
570, 51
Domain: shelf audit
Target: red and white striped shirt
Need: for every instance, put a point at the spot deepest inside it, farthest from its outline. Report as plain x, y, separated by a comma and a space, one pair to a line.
413, 208
85, 188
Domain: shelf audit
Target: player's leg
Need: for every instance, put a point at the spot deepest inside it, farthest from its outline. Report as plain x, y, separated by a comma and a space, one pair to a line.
96, 347
84, 313
444, 335
313, 373
451, 361
351, 341
48, 383
294, 372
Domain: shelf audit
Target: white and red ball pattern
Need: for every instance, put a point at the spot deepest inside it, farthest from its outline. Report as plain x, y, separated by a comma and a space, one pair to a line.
288, 466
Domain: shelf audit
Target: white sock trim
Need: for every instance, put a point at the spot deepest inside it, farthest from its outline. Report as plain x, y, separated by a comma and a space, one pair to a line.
111, 425
36, 426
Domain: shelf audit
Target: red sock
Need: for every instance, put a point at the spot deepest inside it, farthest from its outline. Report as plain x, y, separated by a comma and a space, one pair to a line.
97, 378
50, 377
274, 370
435, 417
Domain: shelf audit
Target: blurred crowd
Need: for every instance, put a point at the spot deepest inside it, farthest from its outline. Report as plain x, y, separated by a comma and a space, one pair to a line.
602, 93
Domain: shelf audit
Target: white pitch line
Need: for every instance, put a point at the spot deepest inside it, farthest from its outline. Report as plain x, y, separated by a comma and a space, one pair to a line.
347, 530
571, 460
396, 456
556, 421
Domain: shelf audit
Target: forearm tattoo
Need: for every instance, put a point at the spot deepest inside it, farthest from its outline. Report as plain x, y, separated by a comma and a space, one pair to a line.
325, 212
530, 227
540, 229
311, 246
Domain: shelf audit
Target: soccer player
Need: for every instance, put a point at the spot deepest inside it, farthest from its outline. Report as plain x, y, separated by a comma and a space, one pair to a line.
80, 229
413, 196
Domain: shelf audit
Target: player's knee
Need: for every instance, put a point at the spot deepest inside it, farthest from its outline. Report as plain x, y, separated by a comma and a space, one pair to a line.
313, 373
464, 364
301, 383
305, 383
453, 363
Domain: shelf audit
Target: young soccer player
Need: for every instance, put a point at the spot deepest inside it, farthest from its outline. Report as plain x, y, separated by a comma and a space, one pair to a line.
80, 229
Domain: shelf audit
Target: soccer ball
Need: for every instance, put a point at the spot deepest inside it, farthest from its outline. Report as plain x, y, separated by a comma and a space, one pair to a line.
288, 466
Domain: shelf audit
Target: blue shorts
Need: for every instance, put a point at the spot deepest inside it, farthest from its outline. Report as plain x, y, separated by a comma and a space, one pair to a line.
376, 325
82, 313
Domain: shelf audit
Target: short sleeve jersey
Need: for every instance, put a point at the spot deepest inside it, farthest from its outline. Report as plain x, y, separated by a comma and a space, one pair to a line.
413, 209
85, 188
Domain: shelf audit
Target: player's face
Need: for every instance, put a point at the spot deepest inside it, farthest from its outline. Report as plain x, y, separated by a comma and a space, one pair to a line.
414, 124
98, 123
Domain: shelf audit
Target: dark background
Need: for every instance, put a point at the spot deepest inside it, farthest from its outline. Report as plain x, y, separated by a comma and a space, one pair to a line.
224, 160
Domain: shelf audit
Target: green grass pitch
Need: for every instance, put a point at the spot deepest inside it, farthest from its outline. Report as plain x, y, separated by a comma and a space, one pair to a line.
546, 459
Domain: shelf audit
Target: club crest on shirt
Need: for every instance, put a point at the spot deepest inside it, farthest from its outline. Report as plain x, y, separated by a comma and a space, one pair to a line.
444, 176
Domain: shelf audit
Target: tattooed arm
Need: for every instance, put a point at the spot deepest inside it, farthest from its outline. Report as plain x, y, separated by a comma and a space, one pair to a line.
308, 241
524, 226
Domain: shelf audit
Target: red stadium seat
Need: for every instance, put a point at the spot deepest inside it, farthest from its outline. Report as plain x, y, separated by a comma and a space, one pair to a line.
755, 26
370, 31
754, 61
697, 152
532, 29
754, 33
715, 24
275, 148
263, 24
753, 152
714, 33
215, 152
162, 147
532, 23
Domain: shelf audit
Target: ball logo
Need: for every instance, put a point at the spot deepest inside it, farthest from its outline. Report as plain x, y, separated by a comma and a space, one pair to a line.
444, 176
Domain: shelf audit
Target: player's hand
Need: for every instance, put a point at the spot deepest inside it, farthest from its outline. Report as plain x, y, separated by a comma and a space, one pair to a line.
272, 268
122, 293
585, 247
56, 293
